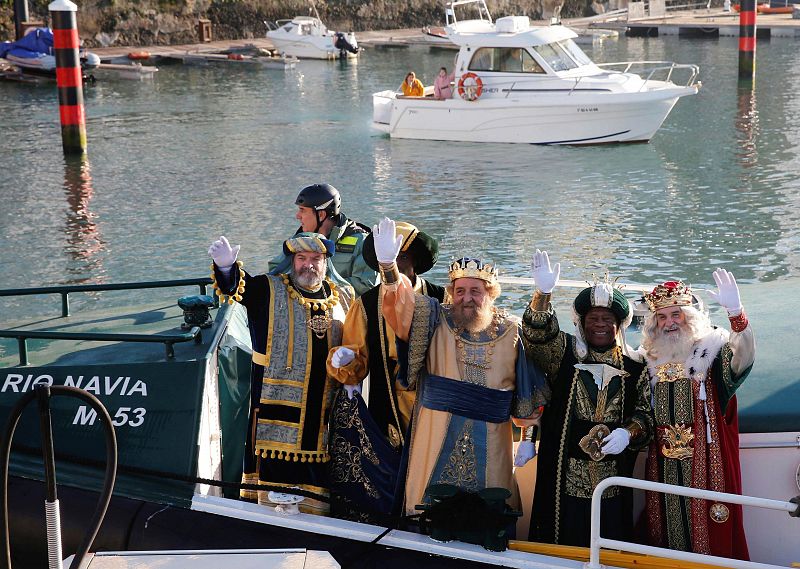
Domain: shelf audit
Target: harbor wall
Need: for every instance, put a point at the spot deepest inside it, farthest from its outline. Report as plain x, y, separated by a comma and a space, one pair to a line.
167, 22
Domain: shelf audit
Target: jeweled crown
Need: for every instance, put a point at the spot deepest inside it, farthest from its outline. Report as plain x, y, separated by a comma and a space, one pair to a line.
670, 293
467, 267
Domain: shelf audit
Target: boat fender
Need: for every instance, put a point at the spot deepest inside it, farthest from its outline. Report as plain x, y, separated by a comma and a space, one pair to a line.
236, 56
470, 91
139, 55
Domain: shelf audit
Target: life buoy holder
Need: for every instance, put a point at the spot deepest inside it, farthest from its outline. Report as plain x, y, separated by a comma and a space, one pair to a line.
470, 91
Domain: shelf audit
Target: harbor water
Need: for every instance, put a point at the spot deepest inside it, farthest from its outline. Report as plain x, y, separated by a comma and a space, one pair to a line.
203, 151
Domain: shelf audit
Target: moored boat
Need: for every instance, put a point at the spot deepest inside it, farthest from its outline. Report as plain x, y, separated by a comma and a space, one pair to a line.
307, 37
34, 54
521, 84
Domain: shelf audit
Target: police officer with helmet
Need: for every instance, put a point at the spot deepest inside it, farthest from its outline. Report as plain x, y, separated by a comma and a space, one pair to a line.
319, 210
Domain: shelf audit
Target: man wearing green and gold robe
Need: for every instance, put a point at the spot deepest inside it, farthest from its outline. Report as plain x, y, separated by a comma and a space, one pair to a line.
294, 320
599, 415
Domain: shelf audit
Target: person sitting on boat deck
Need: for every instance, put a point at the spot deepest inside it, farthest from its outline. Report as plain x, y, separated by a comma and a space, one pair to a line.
412, 87
467, 363
695, 369
442, 86
369, 349
319, 210
294, 319
599, 415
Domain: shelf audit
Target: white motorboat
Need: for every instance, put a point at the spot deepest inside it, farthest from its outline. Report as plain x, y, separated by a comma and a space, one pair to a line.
307, 37
524, 84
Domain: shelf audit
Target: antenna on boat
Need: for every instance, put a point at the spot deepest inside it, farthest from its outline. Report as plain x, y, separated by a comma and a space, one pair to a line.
314, 7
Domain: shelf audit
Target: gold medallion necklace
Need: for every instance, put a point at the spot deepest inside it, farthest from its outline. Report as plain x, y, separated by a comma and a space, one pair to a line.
318, 323
477, 359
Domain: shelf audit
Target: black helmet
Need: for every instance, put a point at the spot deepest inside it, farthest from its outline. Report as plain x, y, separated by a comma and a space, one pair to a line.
321, 197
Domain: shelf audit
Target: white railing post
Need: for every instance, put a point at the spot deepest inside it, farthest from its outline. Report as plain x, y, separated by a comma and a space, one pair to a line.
596, 542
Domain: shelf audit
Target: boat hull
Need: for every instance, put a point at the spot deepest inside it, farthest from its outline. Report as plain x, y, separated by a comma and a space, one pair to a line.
537, 119
308, 50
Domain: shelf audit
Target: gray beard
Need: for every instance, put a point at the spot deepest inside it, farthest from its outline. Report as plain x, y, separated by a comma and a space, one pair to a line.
672, 347
473, 323
308, 279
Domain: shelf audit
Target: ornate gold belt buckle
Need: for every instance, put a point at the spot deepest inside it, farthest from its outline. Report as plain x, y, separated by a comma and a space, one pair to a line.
592, 443
676, 441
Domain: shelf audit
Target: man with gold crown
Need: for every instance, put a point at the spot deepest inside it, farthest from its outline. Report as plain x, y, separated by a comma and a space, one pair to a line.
599, 414
294, 320
469, 368
368, 434
695, 370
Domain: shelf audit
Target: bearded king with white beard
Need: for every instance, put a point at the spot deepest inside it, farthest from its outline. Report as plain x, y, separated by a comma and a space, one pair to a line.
294, 320
695, 370
468, 366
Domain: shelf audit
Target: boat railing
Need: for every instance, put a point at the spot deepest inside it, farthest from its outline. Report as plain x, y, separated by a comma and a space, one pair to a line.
654, 70
66, 290
22, 336
596, 542
479, 5
169, 340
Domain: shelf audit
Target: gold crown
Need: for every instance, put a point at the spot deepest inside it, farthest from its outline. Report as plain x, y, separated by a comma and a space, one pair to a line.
671, 293
472, 268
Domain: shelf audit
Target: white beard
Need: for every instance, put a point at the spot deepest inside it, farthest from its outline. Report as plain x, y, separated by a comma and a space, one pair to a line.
672, 347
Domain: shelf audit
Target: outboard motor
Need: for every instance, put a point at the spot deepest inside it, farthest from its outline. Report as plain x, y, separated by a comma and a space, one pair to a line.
343, 45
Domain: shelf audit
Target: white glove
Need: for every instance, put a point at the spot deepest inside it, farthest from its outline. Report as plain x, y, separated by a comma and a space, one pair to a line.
352, 390
728, 295
387, 243
223, 254
526, 450
544, 276
616, 442
342, 356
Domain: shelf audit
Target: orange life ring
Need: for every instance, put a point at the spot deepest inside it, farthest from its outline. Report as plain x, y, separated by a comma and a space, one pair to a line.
470, 92
139, 55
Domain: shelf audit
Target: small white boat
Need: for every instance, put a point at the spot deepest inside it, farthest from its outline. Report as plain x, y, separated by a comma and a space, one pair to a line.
534, 85
307, 37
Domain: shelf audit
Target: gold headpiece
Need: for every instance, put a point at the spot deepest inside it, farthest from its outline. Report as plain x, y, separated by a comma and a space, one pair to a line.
671, 293
472, 268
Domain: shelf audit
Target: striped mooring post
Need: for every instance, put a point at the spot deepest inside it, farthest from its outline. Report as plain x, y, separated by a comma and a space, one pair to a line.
69, 78
747, 40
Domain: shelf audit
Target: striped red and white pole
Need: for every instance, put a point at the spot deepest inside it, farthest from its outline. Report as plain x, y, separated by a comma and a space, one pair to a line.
68, 76
747, 40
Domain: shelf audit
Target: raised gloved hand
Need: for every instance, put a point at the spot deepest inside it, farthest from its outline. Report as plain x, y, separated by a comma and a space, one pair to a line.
342, 356
387, 242
223, 254
546, 277
526, 450
352, 390
616, 442
728, 295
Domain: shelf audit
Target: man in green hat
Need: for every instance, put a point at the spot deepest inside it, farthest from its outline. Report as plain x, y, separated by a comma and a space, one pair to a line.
369, 350
599, 415
294, 318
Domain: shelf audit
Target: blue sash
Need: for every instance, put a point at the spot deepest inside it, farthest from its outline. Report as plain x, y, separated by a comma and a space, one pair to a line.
467, 399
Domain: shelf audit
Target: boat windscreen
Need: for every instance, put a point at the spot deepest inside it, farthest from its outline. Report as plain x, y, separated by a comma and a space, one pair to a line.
575, 52
556, 57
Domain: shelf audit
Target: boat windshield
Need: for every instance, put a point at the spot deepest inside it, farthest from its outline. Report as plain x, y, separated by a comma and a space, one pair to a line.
576, 52
504, 59
557, 56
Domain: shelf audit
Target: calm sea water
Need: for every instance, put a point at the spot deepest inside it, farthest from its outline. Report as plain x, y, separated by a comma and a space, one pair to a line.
199, 152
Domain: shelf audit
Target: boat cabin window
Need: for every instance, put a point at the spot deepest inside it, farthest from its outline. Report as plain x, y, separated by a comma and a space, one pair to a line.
305, 29
504, 59
575, 52
556, 57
